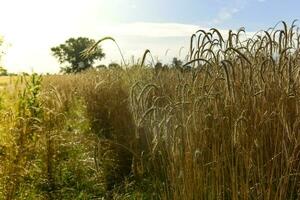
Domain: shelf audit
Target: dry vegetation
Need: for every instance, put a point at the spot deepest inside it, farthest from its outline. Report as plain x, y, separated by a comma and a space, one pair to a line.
225, 126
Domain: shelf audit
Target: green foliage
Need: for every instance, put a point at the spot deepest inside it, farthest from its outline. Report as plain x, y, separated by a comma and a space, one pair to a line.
26, 130
99, 67
71, 53
176, 63
114, 66
3, 71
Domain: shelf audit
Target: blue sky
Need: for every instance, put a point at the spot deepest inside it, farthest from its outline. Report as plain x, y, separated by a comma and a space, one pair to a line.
254, 14
32, 27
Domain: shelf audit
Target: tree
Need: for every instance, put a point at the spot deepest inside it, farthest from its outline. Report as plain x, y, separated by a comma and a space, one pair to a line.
3, 72
177, 63
99, 67
158, 66
71, 53
114, 65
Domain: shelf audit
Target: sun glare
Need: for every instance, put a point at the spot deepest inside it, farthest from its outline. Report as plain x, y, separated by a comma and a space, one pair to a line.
32, 27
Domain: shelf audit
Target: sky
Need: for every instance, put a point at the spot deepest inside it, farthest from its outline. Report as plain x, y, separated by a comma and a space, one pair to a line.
30, 28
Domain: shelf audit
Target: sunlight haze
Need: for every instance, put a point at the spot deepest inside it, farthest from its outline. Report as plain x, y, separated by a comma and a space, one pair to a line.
32, 27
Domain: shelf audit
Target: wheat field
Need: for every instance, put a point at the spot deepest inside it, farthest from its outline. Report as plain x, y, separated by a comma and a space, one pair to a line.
225, 125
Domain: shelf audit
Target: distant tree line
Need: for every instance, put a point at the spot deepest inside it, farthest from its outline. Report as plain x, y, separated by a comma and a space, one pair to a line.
70, 55
73, 60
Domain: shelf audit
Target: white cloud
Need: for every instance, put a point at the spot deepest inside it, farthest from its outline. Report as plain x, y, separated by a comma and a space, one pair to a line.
135, 38
225, 14
33, 52
133, 6
151, 29
231, 8
32, 27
